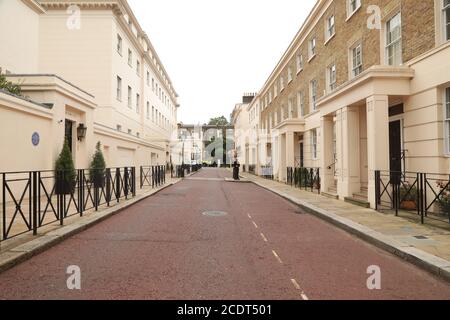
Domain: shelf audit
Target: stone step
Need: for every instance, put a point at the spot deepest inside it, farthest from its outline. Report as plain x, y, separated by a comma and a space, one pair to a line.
358, 202
361, 196
330, 195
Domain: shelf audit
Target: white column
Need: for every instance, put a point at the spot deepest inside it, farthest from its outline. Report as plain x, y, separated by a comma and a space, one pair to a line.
326, 150
351, 171
377, 139
290, 149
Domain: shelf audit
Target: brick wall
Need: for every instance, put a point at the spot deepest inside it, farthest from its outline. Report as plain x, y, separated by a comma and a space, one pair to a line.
418, 36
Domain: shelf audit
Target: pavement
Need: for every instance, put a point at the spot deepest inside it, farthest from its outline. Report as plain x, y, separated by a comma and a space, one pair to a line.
206, 238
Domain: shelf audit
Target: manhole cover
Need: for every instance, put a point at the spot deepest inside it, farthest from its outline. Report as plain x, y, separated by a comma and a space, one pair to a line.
214, 213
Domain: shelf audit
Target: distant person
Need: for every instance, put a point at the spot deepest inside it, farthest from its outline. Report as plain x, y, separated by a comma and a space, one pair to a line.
236, 167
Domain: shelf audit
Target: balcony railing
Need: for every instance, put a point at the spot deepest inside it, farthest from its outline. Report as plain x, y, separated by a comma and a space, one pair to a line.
304, 178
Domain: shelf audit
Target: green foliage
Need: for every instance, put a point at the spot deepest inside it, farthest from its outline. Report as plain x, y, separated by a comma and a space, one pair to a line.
408, 193
9, 86
98, 164
219, 121
65, 167
444, 198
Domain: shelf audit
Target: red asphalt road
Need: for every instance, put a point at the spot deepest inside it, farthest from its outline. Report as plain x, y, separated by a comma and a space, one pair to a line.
165, 248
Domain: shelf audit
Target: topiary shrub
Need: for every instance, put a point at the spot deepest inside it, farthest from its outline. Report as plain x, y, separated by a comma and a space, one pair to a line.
97, 167
65, 173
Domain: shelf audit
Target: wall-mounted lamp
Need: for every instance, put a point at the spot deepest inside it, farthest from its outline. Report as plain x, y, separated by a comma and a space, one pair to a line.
81, 132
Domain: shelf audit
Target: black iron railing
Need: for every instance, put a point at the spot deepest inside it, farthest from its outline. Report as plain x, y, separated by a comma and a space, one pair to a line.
180, 171
304, 178
153, 176
425, 194
33, 199
252, 169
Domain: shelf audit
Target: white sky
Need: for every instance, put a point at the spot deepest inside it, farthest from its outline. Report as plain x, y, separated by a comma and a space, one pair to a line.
214, 51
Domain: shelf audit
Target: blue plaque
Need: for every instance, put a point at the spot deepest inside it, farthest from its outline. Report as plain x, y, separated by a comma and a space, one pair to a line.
35, 139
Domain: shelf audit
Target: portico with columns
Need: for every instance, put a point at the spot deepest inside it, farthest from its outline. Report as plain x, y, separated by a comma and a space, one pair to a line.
355, 132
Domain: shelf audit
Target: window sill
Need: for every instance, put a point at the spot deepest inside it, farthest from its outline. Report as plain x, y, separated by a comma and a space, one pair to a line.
353, 13
120, 53
311, 58
298, 72
329, 39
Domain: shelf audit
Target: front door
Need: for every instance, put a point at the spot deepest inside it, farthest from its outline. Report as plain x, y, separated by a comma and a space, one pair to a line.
395, 150
69, 134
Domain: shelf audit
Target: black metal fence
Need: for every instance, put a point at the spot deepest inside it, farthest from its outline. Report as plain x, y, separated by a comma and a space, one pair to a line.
180, 171
425, 194
153, 176
34, 199
252, 169
304, 178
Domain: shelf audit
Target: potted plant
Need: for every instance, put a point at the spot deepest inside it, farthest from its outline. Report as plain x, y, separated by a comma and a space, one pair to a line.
444, 198
97, 168
408, 197
65, 173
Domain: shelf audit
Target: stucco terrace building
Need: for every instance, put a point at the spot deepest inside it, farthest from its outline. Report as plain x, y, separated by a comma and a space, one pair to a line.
82, 63
364, 86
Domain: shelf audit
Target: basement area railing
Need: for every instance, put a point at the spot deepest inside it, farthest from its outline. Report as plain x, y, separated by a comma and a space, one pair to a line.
304, 178
30, 200
424, 195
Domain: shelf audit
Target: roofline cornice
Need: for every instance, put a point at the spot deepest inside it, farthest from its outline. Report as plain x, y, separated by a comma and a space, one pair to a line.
119, 8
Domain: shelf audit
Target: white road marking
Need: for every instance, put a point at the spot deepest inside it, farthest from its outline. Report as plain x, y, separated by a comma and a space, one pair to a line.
256, 226
264, 237
277, 257
297, 286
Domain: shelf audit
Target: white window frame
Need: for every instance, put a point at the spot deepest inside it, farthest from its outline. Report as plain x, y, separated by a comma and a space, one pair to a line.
130, 58
331, 28
351, 11
281, 83
148, 78
138, 109
446, 119
312, 48
313, 94
314, 154
119, 88
148, 110
393, 43
290, 74
299, 62
301, 104
445, 17
138, 67
357, 68
331, 77
130, 97
119, 44
291, 108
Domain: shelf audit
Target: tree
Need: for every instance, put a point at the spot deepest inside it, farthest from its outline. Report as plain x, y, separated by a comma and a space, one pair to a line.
219, 121
65, 171
97, 167
9, 86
